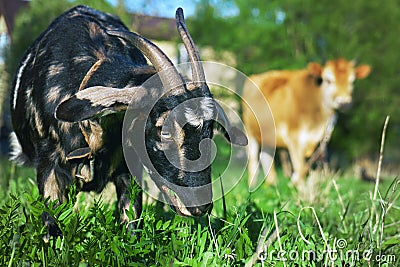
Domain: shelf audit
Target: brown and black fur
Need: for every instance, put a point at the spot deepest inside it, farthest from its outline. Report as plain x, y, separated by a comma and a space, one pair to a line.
53, 69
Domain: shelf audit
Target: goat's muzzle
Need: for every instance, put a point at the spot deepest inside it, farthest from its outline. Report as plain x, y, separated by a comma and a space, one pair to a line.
177, 203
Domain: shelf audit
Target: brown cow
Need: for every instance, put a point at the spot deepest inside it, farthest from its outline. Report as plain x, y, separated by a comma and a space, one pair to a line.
302, 103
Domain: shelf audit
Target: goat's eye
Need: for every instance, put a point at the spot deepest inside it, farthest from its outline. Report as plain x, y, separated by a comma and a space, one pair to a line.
166, 135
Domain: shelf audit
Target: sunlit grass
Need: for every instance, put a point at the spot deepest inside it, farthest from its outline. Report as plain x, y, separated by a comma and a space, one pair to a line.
273, 225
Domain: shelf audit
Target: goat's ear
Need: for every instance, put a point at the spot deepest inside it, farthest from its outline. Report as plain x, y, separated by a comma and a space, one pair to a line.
233, 134
99, 101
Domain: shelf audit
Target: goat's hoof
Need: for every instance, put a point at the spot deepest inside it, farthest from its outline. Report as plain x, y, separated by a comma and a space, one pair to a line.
132, 228
52, 231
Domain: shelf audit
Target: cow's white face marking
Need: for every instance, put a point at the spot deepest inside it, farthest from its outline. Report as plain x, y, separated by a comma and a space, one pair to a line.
352, 78
336, 91
328, 88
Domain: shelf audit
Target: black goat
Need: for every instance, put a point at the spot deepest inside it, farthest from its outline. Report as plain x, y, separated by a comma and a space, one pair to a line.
68, 101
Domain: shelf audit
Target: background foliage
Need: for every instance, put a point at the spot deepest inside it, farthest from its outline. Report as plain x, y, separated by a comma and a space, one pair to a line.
287, 34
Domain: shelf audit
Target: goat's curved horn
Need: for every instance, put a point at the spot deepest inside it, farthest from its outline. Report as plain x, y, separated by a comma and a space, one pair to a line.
194, 56
169, 76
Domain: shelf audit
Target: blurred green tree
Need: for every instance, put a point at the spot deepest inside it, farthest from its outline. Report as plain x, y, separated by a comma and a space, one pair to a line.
287, 34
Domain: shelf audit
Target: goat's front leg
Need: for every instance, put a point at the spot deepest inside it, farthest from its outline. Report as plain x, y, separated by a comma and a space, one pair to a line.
52, 184
123, 184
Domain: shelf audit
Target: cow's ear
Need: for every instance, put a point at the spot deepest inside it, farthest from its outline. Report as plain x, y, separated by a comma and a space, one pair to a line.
99, 101
362, 71
314, 69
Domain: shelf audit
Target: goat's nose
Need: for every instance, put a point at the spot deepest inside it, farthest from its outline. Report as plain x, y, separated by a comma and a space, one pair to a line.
201, 210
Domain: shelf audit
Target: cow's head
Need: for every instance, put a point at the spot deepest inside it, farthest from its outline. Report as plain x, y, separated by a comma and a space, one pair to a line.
179, 127
336, 80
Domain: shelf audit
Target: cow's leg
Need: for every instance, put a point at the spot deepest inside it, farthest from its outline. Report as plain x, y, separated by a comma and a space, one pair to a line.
297, 157
253, 152
285, 161
267, 163
52, 182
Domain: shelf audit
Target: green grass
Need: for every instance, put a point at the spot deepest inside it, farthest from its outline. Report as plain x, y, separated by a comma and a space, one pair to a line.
336, 222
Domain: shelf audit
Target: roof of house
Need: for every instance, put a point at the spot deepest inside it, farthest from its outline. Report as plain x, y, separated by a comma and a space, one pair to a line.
154, 27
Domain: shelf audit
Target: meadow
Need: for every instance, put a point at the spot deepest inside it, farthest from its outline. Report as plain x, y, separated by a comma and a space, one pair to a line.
338, 220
